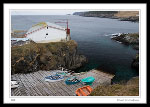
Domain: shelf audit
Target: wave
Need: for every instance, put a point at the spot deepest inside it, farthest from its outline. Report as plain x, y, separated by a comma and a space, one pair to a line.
114, 34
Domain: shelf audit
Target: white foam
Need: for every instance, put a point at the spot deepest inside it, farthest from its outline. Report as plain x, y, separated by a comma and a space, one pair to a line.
114, 34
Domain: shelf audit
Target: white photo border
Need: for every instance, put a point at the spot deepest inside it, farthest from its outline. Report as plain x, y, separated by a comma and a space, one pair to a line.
77, 99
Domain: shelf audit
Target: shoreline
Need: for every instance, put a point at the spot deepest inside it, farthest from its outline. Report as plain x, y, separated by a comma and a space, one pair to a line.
130, 39
120, 15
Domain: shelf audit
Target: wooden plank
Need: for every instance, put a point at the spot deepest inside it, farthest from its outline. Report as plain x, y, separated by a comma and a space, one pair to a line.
30, 86
21, 86
39, 85
44, 85
62, 90
33, 84
56, 88
25, 83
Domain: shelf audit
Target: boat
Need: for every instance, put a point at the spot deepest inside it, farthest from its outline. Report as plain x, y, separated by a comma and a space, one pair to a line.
88, 80
54, 78
84, 91
72, 80
14, 84
63, 73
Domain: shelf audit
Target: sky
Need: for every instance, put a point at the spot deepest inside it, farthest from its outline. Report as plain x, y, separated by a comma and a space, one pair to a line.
43, 12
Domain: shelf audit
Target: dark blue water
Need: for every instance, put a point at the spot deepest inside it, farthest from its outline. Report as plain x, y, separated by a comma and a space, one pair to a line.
91, 35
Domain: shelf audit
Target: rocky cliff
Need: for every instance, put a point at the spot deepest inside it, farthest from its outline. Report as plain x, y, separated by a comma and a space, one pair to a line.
135, 62
102, 14
45, 56
121, 15
131, 39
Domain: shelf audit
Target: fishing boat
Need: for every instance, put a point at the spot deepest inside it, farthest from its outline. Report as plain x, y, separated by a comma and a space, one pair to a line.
72, 80
88, 80
83, 91
54, 78
63, 73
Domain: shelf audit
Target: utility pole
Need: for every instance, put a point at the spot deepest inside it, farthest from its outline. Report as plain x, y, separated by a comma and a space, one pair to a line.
67, 30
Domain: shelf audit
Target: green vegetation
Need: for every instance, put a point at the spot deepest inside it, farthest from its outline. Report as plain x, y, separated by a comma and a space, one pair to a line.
45, 56
131, 39
101, 12
131, 88
135, 62
121, 15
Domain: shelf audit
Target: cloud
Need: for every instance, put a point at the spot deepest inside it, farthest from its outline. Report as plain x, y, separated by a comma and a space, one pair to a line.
43, 12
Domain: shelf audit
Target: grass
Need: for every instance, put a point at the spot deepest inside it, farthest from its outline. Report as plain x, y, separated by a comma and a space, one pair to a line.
126, 13
135, 35
131, 88
44, 56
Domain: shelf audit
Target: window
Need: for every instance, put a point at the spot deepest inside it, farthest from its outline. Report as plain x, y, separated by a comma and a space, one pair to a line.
46, 33
47, 27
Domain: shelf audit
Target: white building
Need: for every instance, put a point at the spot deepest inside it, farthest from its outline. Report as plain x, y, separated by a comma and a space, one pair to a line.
44, 32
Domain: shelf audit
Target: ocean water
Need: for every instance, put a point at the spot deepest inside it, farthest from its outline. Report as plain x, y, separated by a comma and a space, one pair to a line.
92, 36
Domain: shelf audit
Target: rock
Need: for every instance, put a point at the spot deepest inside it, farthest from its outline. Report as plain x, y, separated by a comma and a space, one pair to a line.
131, 39
128, 39
135, 62
131, 18
45, 56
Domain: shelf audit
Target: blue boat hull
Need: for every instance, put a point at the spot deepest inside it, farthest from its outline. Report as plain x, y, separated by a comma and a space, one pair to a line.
88, 80
70, 82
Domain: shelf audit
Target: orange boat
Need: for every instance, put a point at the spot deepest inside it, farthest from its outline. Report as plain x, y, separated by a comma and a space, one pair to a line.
84, 91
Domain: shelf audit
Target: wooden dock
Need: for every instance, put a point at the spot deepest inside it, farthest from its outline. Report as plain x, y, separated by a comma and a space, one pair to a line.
33, 84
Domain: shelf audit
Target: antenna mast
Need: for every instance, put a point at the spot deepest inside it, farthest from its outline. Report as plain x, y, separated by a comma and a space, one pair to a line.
67, 30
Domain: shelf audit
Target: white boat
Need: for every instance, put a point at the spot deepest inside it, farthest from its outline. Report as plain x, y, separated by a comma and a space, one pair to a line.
14, 84
54, 78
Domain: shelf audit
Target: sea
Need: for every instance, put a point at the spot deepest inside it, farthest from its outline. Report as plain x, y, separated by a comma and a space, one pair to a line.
93, 36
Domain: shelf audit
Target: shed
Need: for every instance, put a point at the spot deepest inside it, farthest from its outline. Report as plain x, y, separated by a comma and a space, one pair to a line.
44, 32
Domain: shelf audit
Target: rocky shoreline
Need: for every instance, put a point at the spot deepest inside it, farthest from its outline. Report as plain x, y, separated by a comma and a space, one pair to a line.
135, 62
120, 15
45, 56
130, 39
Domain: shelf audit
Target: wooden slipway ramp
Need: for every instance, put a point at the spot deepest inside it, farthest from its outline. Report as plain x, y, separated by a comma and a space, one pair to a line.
33, 84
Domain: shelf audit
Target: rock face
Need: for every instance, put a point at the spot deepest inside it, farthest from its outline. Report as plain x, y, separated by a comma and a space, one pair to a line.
131, 18
121, 15
45, 56
131, 39
128, 39
135, 62
101, 14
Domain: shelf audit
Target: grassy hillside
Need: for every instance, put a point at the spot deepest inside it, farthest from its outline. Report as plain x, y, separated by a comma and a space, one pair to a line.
45, 56
121, 15
131, 88
126, 13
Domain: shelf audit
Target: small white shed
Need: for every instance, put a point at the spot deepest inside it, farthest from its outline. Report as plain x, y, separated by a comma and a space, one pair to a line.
44, 32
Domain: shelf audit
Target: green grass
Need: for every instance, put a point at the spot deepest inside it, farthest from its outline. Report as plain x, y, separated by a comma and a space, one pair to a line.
131, 88
47, 55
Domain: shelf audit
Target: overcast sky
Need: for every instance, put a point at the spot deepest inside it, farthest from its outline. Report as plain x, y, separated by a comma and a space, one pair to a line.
43, 12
